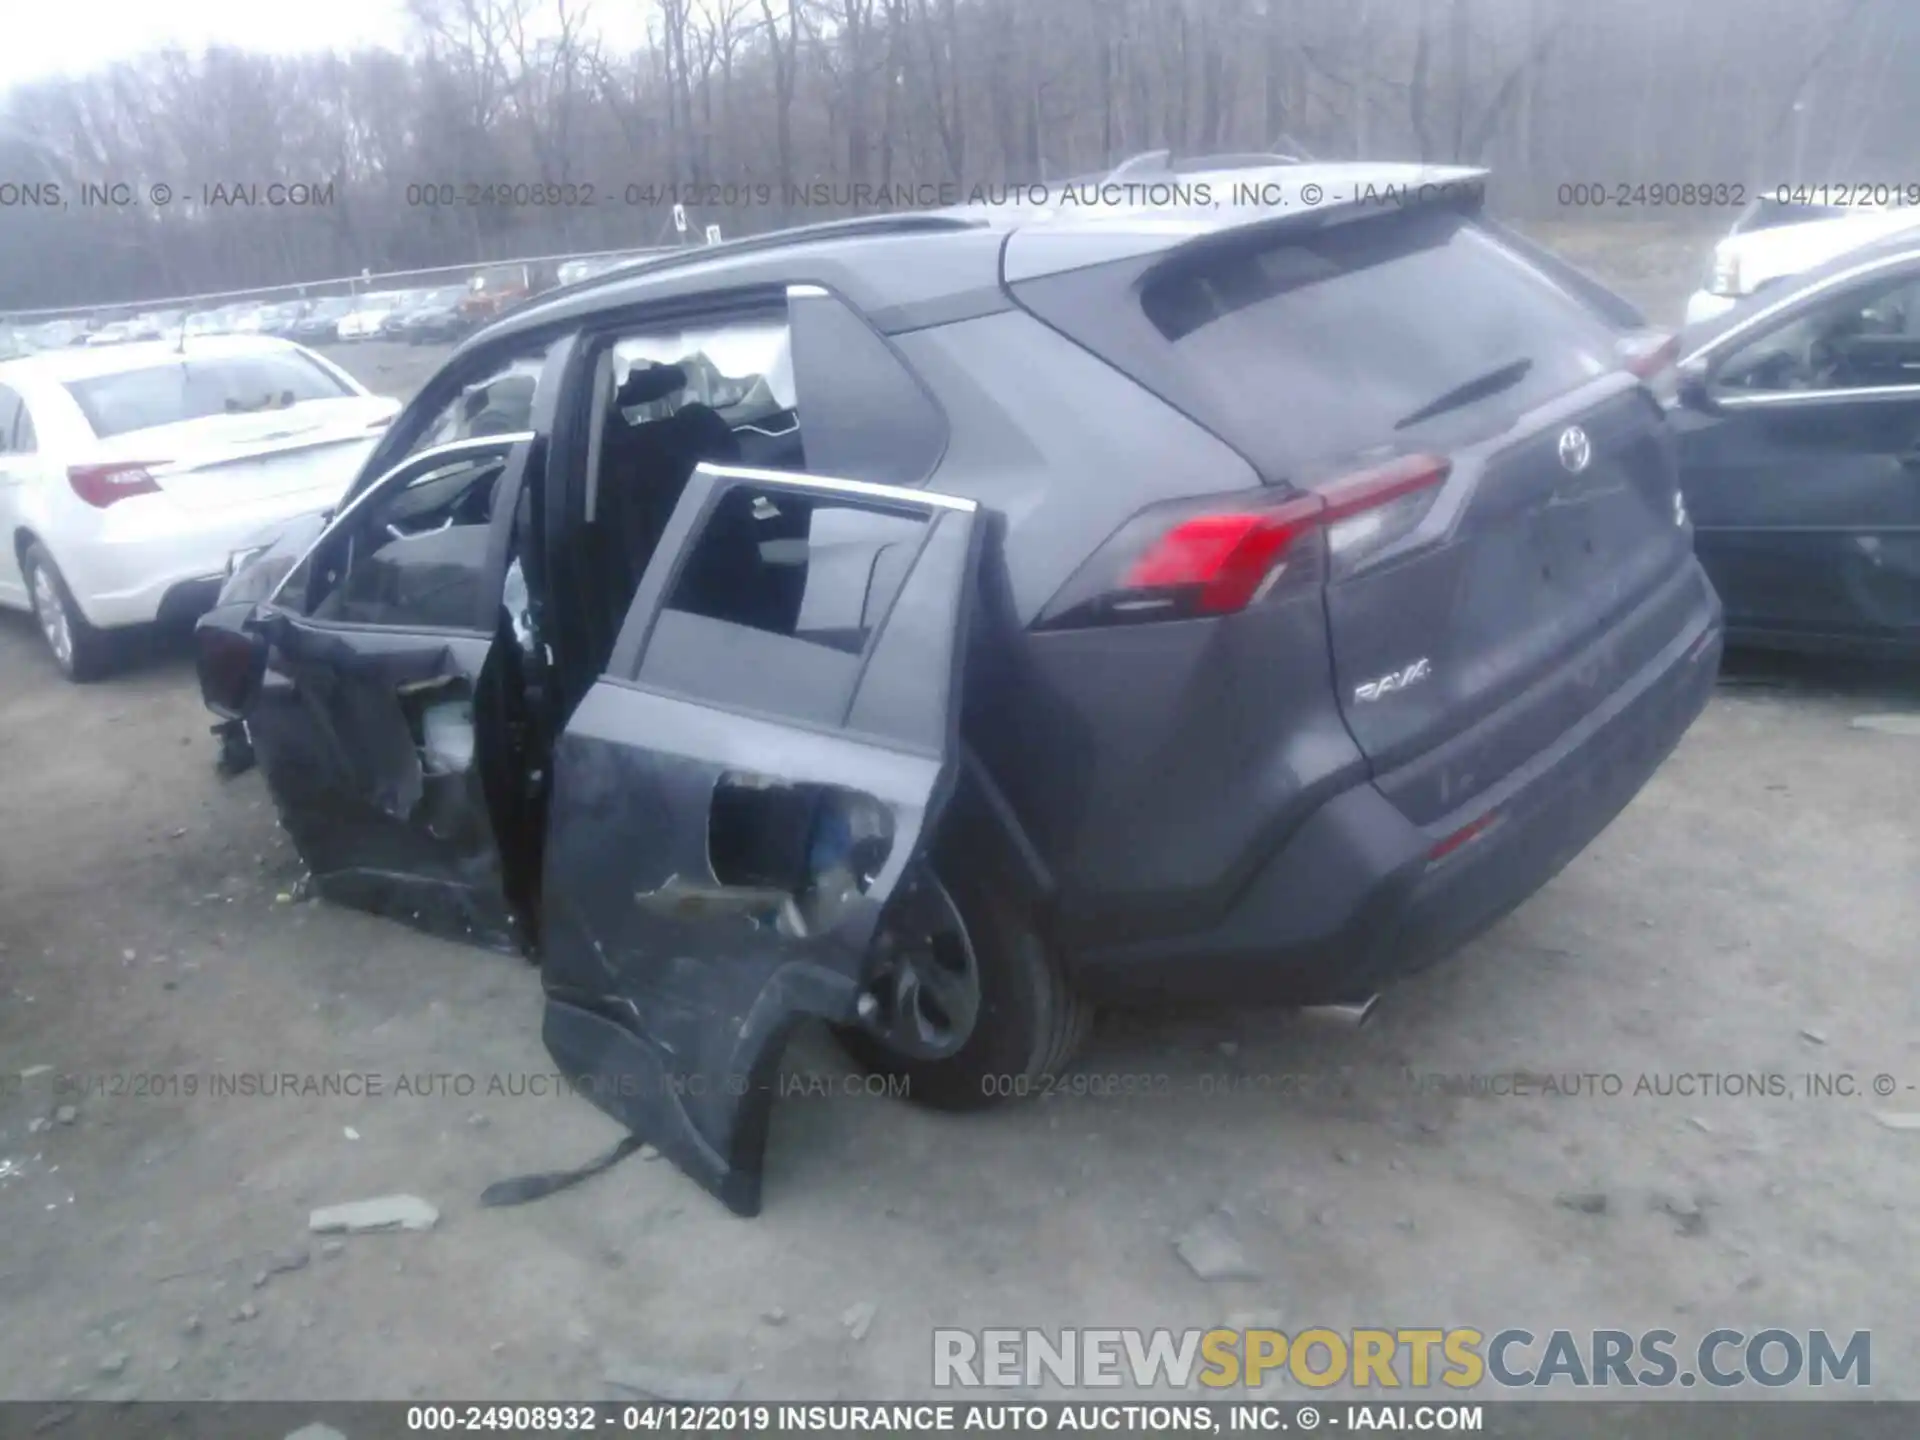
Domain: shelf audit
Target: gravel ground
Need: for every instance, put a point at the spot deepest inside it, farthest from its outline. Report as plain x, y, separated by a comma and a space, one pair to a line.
1751, 914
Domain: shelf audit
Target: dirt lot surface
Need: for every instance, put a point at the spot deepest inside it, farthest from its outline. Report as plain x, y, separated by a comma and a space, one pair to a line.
1752, 915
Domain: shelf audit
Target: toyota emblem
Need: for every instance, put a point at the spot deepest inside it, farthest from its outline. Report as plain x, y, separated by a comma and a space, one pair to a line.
1576, 451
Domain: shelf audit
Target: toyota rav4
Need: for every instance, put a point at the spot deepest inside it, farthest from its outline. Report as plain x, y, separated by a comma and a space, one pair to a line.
941, 624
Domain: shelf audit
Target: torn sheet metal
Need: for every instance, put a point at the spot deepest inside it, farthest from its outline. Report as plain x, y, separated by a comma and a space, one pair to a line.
386, 807
670, 995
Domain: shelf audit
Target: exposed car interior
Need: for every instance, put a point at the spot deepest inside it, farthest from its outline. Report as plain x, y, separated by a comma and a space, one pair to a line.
664, 404
766, 569
421, 555
1863, 339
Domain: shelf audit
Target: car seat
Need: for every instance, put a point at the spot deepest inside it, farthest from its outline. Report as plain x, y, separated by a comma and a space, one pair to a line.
644, 470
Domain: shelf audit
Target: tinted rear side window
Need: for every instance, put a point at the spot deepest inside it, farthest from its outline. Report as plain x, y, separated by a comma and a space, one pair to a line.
1344, 337
1306, 350
194, 389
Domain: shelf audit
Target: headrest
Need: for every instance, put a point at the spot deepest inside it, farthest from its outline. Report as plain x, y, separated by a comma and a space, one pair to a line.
508, 390
701, 431
646, 383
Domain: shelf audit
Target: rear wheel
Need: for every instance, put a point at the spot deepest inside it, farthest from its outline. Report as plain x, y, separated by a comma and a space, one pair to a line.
968, 1006
81, 652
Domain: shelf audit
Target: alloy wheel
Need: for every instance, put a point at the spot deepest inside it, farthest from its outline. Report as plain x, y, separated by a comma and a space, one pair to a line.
927, 978
52, 614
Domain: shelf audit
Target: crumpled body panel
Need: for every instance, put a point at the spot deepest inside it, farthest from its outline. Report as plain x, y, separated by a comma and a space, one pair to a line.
359, 741
670, 993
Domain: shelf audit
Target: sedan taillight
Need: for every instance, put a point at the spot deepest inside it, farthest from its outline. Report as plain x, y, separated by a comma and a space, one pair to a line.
104, 485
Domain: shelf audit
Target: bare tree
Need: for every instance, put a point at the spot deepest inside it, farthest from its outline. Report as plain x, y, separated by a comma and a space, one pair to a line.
499, 94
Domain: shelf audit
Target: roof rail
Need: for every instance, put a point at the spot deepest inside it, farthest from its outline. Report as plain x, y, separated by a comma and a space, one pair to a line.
908, 223
1162, 162
1155, 162
1241, 160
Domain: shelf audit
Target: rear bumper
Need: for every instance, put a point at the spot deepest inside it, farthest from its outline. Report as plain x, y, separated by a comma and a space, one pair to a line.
160, 566
1357, 897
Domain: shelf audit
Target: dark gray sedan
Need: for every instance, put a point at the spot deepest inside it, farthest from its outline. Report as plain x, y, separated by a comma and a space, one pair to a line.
1799, 429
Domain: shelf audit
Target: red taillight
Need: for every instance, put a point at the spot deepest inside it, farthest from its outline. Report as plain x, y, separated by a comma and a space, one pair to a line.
1196, 558
102, 485
1222, 560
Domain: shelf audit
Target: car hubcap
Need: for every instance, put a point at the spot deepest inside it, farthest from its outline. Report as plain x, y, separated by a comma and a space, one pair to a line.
927, 982
53, 616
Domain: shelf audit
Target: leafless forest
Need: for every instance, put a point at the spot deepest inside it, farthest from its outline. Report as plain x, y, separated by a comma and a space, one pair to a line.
743, 100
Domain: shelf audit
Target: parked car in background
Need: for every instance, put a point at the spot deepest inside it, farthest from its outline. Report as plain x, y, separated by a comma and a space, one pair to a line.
572, 272
368, 314
227, 317
129, 474
117, 333
998, 613
424, 304
494, 290
443, 316
391, 322
57, 334
161, 324
1799, 432
278, 318
321, 323
1773, 242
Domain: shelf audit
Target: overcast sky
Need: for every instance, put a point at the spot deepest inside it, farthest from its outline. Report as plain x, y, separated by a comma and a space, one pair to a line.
52, 37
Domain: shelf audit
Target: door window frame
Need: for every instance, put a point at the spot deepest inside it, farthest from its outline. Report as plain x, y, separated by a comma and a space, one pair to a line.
447, 385
515, 447
683, 531
1784, 312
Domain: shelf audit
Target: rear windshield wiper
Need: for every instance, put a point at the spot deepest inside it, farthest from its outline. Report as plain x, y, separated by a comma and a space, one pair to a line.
1478, 388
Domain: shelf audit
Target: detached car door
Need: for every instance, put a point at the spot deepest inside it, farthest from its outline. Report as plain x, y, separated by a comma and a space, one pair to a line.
379, 644
737, 797
1800, 456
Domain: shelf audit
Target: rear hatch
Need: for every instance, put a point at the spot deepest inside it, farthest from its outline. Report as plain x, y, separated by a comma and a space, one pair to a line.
1503, 514
221, 432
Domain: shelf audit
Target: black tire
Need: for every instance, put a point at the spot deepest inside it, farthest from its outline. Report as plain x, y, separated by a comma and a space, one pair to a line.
1030, 1024
89, 654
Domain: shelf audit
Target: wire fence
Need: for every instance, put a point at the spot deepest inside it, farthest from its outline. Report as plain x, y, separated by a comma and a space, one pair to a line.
535, 273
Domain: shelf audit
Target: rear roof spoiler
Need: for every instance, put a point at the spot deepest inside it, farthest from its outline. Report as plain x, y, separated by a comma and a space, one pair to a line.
1336, 195
1162, 162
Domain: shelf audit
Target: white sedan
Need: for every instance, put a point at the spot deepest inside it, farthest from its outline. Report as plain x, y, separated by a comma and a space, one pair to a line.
130, 475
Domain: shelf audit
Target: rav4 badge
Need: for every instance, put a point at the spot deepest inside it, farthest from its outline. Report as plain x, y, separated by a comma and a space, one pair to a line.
1396, 680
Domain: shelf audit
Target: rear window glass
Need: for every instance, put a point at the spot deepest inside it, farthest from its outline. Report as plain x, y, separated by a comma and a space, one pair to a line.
196, 388
1369, 334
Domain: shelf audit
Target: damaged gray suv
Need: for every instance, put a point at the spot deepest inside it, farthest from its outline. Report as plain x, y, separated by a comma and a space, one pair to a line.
940, 624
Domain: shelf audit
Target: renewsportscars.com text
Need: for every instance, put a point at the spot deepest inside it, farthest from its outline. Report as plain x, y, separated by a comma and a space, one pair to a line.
1460, 1358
